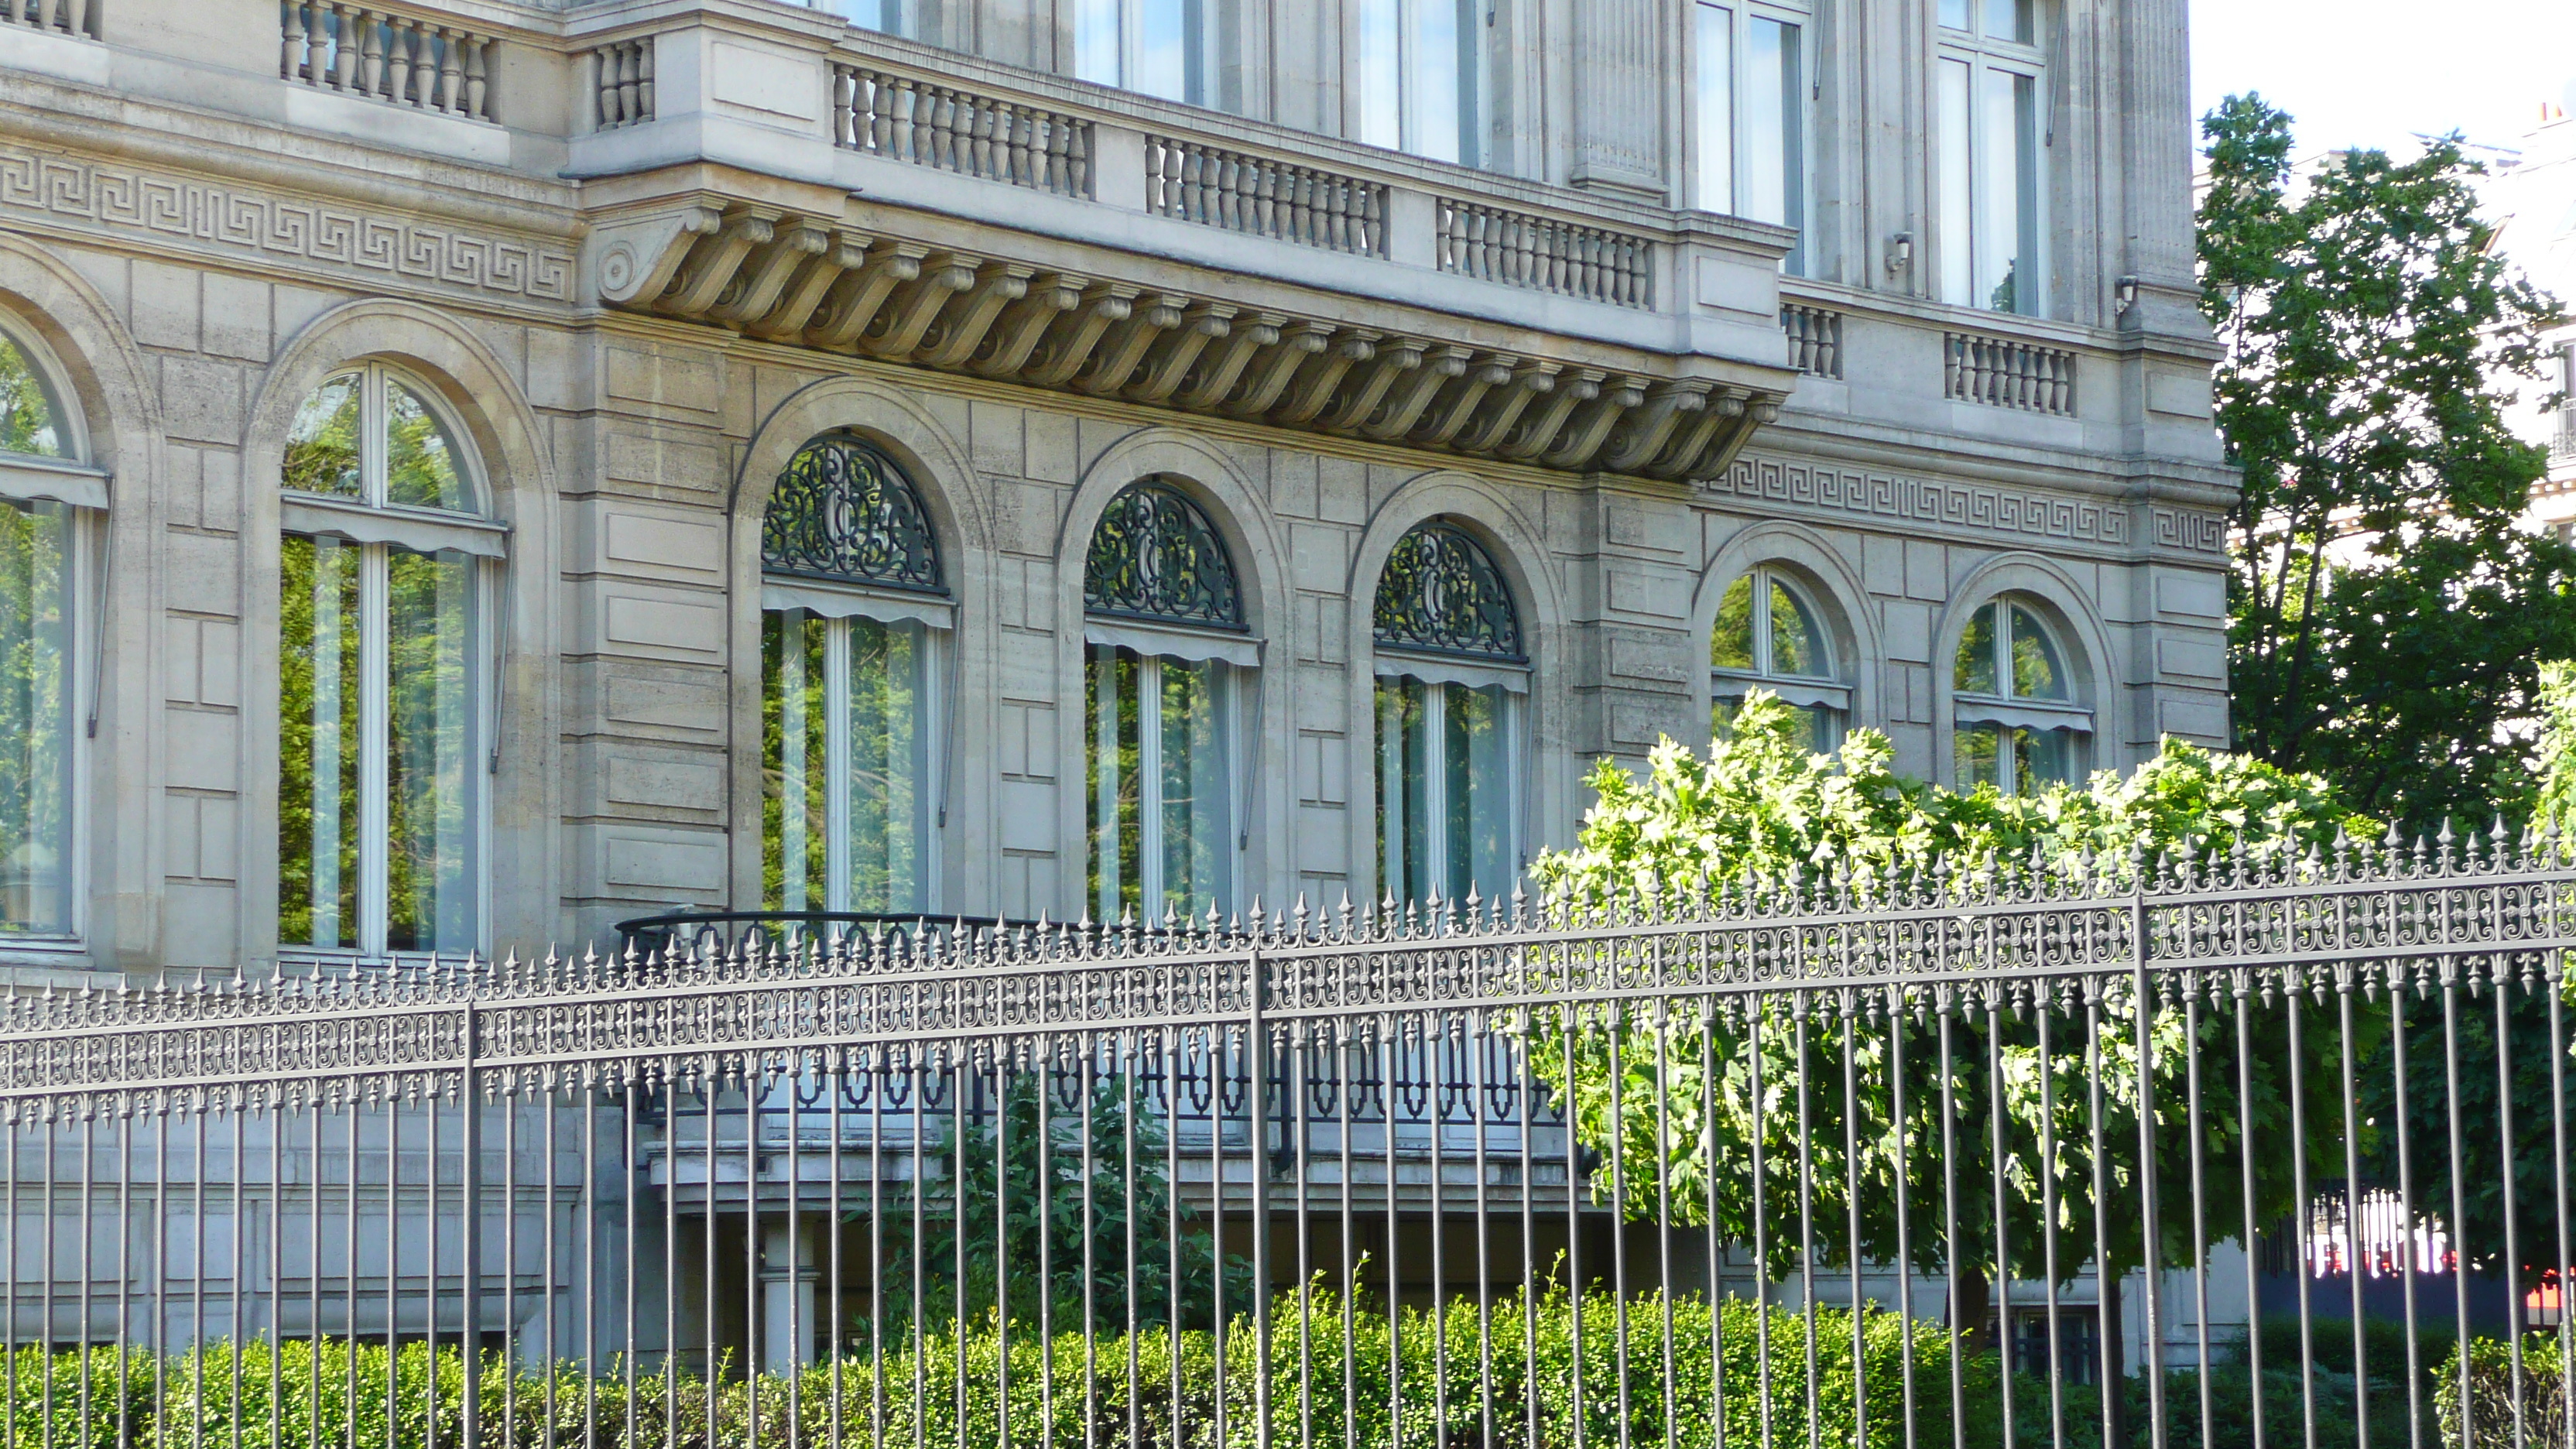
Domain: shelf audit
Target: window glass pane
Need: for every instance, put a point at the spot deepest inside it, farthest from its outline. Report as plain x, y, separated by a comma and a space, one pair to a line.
1826, 728
420, 459
317, 743
1164, 30
2038, 673
28, 421
322, 442
1977, 755
1436, 92
1380, 78
1721, 716
2042, 758
2004, 200
35, 720
1715, 186
1957, 245
430, 746
1111, 761
1480, 792
1773, 90
1797, 641
1954, 14
1198, 840
889, 764
1730, 646
1095, 41
794, 804
1974, 672
2007, 19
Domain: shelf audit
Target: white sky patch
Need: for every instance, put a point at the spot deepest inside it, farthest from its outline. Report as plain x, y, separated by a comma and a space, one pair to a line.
2374, 72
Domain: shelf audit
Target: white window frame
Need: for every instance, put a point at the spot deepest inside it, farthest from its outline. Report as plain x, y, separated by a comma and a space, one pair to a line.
68, 479
1826, 691
1124, 66
2009, 710
1413, 128
1155, 645
376, 527
1438, 676
1960, 246
1726, 129
838, 605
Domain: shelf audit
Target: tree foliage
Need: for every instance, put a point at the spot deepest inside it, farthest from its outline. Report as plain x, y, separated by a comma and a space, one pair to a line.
2387, 613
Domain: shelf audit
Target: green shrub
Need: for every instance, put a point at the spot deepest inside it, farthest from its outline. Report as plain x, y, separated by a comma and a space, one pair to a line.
2491, 1385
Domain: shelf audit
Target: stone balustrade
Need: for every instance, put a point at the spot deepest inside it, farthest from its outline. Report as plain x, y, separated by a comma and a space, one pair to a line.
1815, 338
1239, 191
950, 128
1546, 254
67, 17
428, 64
2008, 372
621, 83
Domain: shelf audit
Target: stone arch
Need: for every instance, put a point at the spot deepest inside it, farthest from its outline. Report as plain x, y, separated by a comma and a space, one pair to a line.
2067, 609
1829, 579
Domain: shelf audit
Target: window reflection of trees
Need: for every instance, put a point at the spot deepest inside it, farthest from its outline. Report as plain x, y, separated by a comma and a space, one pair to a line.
35, 720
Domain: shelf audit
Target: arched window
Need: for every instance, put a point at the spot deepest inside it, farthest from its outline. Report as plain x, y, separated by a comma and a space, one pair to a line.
51, 505
853, 602
1168, 653
384, 724
1451, 675
2016, 724
1771, 635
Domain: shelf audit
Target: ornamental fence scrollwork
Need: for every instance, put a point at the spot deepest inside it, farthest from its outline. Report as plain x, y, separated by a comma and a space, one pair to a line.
1440, 592
842, 511
1155, 556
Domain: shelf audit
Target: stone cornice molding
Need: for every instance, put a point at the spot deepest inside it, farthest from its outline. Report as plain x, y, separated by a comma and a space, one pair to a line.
2001, 512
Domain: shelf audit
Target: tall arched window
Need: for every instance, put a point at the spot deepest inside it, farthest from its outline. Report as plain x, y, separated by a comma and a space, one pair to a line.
384, 724
1771, 635
852, 605
1451, 673
51, 500
2016, 723
1167, 654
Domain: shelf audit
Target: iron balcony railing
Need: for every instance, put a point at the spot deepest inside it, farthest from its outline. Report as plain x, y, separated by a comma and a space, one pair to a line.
1861, 1162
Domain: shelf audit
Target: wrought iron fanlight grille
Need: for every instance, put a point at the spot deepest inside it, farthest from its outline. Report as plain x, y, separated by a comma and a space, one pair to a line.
1154, 555
1441, 594
843, 511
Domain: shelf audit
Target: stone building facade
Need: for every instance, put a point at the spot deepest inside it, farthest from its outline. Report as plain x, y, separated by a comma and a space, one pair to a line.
402, 387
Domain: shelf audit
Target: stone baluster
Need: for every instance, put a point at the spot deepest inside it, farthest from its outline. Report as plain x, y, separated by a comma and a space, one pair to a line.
317, 45
450, 43
290, 42
403, 37
1078, 147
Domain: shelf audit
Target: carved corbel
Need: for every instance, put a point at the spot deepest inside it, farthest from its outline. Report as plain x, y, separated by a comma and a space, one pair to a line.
1317, 384
1215, 376
1173, 357
1260, 393
714, 261
1397, 415
1358, 400
797, 301
853, 301
1529, 382
1583, 437
1713, 462
632, 261
960, 330
1008, 345
1642, 433
1115, 363
764, 275
1539, 429
1725, 409
1457, 403
1068, 346
898, 329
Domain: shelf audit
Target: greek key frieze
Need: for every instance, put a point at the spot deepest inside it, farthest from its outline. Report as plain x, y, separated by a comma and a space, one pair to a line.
1985, 507
124, 200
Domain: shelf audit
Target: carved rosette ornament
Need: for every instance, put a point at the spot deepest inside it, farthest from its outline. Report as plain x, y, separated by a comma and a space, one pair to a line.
1155, 556
842, 511
1441, 594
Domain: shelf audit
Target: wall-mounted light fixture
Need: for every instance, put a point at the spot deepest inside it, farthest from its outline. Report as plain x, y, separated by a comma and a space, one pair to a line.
1900, 253
2124, 295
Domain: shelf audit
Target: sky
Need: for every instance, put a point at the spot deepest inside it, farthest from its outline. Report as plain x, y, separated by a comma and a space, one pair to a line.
2374, 72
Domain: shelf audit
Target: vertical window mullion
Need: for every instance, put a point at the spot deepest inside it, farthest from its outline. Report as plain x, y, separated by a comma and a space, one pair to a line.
375, 748
836, 765
1390, 786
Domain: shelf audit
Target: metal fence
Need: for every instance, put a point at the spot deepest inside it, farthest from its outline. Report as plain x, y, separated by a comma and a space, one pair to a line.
1825, 1161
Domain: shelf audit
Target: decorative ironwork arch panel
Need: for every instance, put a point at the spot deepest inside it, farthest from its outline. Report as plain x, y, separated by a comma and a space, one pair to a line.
1154, 555
1441, 593
842, 510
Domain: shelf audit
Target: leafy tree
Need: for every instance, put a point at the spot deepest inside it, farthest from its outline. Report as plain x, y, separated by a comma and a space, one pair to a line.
1762, 811
2387, 614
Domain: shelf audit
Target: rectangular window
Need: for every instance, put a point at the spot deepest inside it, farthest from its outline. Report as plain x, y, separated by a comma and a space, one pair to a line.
1752, 102
2007, 233
36, 719
1159, 47
1414, 73
1160, 774
1958, 253
1379, 74
847, 738
1986, 90
379, 809
1446, 813
1715, 190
